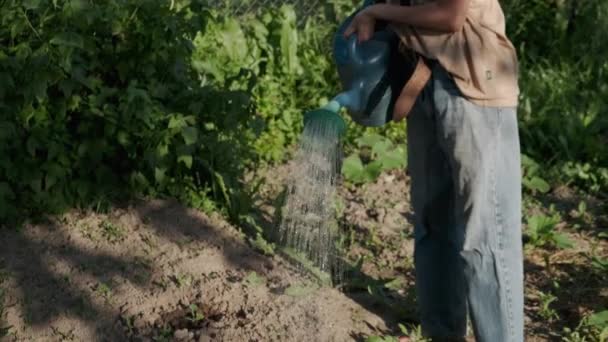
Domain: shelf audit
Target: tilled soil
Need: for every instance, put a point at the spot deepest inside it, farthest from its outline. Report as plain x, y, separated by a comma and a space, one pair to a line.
159, 271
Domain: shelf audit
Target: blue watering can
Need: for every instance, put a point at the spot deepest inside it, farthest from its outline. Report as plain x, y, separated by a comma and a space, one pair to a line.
372, 74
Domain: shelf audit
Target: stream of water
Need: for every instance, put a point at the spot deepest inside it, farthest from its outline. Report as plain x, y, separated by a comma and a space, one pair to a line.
308, 227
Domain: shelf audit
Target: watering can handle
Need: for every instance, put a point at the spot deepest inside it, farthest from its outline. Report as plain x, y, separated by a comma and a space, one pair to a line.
352, 49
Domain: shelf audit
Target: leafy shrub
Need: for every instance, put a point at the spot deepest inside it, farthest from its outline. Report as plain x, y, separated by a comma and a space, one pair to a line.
563, 104
98, 100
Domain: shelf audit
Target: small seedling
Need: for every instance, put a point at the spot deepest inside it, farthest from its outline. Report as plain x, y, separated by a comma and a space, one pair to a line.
182, 280
165, 335
111, 232
541, 229
104, 291
195, 315
546, 311
582, 209
255, 279
87, 232
129, 321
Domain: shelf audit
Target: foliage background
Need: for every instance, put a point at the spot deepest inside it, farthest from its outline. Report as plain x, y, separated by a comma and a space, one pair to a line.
101, 101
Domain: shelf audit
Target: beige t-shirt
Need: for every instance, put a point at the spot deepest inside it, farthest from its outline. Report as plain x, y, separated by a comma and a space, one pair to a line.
480, 57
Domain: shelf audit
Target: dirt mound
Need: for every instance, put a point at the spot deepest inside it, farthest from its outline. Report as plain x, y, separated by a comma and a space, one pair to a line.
159, 271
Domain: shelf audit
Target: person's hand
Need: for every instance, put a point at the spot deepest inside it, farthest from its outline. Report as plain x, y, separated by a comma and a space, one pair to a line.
363, 25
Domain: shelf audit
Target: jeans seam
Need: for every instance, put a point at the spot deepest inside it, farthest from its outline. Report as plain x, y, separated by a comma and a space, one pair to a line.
500, 227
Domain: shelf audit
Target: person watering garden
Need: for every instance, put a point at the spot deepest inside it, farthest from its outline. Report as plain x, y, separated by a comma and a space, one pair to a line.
464, 162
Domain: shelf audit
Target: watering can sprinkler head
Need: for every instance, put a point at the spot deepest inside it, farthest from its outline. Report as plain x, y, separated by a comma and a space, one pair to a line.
327, 116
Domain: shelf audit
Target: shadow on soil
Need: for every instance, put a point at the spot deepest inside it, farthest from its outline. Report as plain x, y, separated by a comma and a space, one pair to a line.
38, 261
47, 294
582, 289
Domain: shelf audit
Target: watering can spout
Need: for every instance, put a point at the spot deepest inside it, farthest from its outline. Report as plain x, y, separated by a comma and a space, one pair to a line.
350, 99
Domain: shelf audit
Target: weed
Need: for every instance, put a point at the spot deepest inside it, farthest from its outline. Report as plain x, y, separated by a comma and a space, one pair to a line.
546, 311
195, 315
541, 230
104, 291
599, 322
531, 179
254, 279
593, 327
182, 280
165, 334
111, 232
87, 231
130, 323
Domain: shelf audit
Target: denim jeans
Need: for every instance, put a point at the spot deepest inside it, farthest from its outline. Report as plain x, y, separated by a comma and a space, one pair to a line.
464, 162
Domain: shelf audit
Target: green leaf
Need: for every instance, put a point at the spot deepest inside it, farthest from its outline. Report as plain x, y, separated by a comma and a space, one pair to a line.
255, 279
186, 159
394, 159
599, 319
374, 339
159, 174
373, 170
562, 241
353, 170
31, 4
537, 184
394, 284
70, 39
123, 138
381, 147
190, 135
600, 263
289, 41
79, 5
370, 140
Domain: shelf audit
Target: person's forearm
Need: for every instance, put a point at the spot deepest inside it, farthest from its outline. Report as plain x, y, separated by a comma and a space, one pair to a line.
443, 15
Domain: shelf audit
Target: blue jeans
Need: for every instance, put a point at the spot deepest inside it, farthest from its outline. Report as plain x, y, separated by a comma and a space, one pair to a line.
464, 162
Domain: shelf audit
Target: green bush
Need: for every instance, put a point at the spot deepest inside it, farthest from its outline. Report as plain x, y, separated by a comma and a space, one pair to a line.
564, 95
104, 99
290, 70
98, 100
